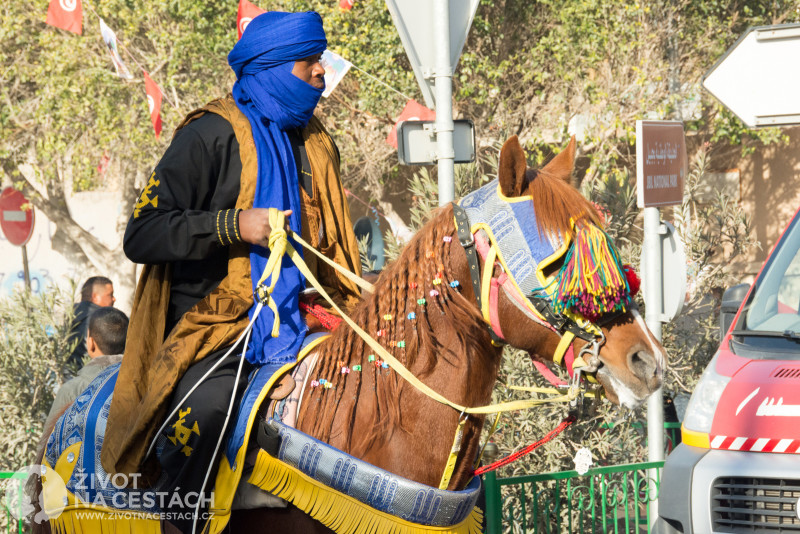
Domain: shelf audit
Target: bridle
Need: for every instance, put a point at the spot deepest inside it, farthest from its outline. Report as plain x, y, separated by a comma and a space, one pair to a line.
486, 285
284, 247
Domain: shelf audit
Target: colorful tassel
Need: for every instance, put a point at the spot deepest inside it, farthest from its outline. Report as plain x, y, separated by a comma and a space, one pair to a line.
591, 282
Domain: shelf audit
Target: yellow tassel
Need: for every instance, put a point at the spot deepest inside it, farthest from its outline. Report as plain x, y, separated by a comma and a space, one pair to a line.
339, 512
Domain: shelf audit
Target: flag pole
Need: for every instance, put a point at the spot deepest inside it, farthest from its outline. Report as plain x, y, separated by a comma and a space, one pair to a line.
25, 271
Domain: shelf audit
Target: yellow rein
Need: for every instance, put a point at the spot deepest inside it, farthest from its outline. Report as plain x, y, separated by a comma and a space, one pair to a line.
285, 247
279, 246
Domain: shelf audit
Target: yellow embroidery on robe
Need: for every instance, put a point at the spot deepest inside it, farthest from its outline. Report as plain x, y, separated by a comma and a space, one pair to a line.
145, 198
182, 432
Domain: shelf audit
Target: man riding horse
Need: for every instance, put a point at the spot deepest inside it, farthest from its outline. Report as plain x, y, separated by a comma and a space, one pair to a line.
201, 227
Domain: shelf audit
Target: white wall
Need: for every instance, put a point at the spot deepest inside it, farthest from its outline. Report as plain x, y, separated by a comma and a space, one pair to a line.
96, 211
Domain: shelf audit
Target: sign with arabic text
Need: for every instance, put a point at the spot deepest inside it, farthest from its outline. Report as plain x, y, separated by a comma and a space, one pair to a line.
661, 163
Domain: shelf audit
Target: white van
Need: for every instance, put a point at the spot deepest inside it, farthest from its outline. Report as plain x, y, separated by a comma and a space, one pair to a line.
738, 466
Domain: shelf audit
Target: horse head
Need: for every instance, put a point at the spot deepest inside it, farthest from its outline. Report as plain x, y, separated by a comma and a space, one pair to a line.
480, 273
624, 356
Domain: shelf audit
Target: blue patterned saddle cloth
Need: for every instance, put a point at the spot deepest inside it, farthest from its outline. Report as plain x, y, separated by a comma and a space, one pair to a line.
85, 422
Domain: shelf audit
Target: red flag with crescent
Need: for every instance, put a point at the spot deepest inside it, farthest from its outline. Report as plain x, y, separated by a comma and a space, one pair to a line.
153, 102
66, 14
247, 12
346, 5
414, 111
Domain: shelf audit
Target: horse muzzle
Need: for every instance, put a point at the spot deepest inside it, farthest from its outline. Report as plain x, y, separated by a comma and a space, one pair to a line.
631, 387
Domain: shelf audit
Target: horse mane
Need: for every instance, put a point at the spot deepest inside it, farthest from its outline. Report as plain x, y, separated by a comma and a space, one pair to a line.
409, 278
556, 201
447, 324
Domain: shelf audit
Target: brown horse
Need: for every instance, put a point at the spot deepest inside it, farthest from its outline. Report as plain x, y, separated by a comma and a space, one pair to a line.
377, 416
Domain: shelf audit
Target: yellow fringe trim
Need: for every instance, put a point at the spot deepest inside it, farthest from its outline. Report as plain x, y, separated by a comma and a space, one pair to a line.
337, 511
228, 478
98, 521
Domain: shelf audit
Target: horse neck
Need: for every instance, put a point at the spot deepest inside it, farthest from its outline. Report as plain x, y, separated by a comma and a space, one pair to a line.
375, 414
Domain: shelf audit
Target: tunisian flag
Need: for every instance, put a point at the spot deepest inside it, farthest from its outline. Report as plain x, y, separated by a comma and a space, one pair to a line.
247, 12
414, 111
153, 102
65, 14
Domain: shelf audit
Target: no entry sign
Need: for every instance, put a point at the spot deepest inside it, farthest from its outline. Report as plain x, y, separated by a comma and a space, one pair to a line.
16, 216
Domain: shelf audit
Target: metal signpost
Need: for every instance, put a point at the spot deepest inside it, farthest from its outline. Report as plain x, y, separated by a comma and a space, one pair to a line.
661, 167
433, 33
757, 78
16, 220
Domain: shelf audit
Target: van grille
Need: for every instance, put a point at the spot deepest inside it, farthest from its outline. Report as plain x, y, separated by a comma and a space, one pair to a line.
787, 372
749, 504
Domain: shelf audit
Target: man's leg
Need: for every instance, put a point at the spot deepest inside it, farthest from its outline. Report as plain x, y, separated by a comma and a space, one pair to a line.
192, 435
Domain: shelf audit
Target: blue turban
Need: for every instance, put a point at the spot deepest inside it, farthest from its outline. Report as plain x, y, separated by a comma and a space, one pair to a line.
274, 100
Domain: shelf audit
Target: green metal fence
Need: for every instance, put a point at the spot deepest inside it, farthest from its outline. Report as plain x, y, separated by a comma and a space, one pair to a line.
9, 521
610, 499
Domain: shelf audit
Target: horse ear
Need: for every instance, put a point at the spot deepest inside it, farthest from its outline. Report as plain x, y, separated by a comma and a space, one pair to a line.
562, 165
511, 173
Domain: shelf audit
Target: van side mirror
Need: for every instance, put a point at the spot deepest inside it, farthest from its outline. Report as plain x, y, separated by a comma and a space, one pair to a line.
731, 301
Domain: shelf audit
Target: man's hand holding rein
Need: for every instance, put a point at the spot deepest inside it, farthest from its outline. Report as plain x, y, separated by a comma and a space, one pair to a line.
254, 226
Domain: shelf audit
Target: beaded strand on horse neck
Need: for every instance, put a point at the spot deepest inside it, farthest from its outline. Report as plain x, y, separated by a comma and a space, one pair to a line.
402, 290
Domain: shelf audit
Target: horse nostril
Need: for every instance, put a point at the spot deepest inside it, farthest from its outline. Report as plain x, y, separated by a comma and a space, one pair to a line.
642, 364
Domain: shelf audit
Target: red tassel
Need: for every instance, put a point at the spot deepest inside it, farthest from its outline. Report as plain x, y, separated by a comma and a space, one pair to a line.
634, 282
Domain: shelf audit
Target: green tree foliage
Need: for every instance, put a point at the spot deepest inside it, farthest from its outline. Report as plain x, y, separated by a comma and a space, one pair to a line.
528, 68
34, 347
65, 110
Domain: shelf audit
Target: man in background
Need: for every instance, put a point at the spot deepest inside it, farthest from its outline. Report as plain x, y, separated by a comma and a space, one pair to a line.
107, 328
97, 292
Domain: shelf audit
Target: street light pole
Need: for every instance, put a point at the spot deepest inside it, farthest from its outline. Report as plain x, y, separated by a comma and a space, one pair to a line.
654, 301
444, 103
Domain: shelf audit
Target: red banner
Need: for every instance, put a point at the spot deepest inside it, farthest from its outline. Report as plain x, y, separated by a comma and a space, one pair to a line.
154, 102
247, 12
414, 111
66, 14
346, 5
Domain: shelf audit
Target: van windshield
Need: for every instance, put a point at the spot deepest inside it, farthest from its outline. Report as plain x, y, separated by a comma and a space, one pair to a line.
776, 302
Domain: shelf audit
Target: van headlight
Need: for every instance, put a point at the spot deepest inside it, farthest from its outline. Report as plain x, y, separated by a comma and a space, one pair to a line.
706, 395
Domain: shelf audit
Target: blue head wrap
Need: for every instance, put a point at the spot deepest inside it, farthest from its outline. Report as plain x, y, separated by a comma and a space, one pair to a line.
274, 100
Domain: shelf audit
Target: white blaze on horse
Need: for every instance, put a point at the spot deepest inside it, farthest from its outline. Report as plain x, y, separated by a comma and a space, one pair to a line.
373, 442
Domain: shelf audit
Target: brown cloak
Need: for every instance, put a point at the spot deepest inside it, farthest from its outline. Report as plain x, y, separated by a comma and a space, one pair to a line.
151, 368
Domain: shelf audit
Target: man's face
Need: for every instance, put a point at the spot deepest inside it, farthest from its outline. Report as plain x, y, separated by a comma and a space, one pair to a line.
310, 70
103, 295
